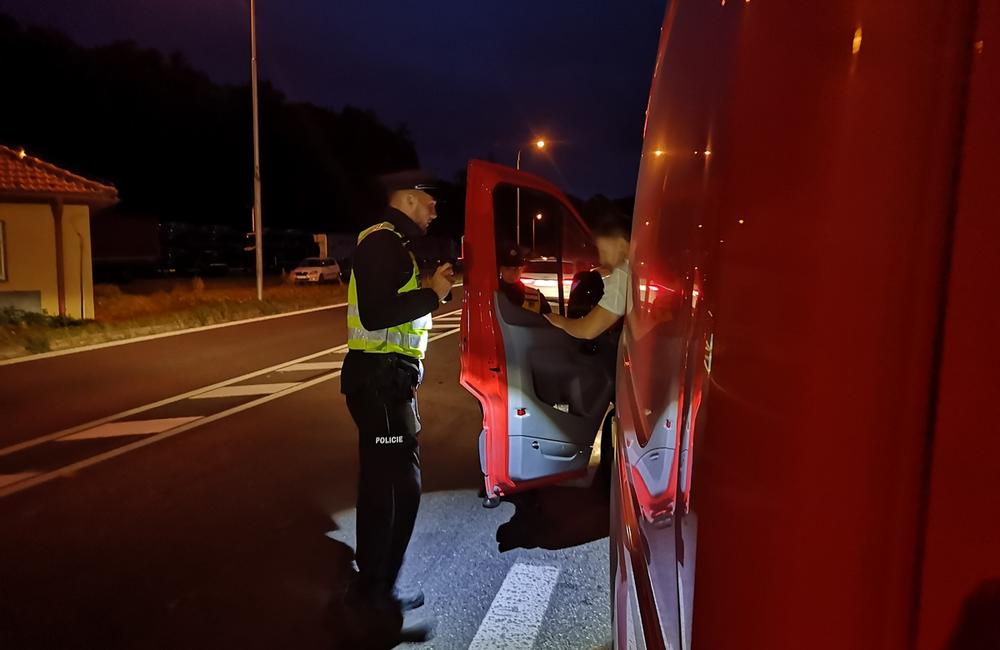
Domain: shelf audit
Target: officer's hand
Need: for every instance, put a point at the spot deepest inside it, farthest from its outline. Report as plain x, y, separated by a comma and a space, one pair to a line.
442, 280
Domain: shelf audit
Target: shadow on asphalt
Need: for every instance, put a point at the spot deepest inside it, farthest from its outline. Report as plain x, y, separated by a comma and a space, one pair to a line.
348, 623
558, 517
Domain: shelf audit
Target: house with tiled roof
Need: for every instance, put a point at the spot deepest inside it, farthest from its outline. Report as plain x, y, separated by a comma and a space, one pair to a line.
45, 258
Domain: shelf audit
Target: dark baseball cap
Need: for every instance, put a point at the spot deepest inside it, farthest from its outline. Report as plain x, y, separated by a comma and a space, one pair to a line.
510, 255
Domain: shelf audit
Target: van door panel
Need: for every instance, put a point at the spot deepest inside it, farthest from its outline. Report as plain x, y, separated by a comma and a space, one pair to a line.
543, 396
547, 370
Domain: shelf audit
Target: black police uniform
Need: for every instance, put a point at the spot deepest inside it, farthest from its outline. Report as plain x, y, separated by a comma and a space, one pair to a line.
381, 392
524, 297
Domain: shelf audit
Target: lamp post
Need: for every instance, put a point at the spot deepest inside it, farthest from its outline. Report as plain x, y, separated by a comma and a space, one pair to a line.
538, 217
538, 144
258, 227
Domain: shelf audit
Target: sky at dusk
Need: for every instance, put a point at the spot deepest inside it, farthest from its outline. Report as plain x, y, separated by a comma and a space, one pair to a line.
468, 77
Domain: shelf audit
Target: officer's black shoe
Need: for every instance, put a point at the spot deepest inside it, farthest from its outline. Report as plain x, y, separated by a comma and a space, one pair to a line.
417, 631
370, 623
403, 601
410, 600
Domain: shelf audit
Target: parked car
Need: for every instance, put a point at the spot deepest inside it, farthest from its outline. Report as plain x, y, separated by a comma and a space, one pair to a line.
316, 270
542, 273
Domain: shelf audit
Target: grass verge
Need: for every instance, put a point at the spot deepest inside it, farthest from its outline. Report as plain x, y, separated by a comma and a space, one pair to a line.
155, 307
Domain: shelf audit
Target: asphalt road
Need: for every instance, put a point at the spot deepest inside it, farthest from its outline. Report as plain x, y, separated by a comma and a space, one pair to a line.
223, 518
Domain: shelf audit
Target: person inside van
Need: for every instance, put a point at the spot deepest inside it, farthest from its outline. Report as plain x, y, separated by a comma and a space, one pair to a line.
612, 235
511, 263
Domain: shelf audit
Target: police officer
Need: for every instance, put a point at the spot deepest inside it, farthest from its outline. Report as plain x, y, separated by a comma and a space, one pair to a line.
388, 320
511, 263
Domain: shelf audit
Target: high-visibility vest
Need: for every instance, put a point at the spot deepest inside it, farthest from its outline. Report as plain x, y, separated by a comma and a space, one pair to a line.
532, 300
408, 338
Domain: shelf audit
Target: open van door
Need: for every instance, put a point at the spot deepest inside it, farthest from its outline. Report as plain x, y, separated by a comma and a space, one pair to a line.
543, 393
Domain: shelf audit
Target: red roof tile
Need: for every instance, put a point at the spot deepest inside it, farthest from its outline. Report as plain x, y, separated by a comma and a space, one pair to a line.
25, 177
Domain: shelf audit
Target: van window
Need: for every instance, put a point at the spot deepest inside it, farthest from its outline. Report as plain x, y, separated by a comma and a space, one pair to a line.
554, 244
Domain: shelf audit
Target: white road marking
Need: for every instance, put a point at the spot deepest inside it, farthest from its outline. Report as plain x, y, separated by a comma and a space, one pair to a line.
314, 365
515, 617
163, 402
128, 428
162, 335
452, 319
245, 390
443, 334
183, 396
32, 480
9, 479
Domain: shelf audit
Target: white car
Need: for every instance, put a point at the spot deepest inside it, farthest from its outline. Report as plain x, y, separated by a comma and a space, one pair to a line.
316, 269
542, 273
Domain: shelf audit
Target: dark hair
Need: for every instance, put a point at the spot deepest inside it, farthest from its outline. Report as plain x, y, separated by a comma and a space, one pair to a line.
612, 224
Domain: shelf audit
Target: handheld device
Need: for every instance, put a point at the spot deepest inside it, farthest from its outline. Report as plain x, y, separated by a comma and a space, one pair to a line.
453, 262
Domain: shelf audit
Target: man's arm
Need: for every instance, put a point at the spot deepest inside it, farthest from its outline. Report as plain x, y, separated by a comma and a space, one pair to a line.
595, 323
376, 268
545, 308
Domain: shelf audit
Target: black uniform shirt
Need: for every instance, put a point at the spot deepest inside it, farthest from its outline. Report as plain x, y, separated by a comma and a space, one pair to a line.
518, 294
381, 267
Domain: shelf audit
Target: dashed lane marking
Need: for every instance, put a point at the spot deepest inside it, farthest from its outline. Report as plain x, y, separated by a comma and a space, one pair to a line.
163, 335
13, 483
27, 444
163, 402
314, 365
245, 390
516, 615
10, 479
127, 428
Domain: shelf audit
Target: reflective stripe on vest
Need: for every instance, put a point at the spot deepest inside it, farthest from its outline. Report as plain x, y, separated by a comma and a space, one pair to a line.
408, 338
532, 300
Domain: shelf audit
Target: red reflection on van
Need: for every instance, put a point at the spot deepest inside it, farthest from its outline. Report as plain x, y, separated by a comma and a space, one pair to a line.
805, 445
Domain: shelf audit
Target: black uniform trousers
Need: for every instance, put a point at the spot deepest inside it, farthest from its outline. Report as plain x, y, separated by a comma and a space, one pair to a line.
385, 412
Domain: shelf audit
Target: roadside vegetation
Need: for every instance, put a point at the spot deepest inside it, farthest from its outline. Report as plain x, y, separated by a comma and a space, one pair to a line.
146, 307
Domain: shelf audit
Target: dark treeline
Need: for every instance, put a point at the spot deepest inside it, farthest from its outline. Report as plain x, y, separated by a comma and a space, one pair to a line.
178, 146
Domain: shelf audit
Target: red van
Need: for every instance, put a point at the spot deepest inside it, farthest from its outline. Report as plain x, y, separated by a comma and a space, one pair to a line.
806, 448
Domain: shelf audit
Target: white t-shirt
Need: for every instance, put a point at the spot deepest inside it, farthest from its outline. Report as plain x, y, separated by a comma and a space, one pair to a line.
616, 286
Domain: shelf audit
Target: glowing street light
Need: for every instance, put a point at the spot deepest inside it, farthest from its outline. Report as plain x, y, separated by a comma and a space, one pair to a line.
539, 144
538, 217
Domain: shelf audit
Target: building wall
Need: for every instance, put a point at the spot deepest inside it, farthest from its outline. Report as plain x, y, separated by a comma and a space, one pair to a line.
31, 257
30, 252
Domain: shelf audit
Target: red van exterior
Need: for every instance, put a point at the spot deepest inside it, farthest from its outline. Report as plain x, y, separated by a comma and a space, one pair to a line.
815, 193
806, 443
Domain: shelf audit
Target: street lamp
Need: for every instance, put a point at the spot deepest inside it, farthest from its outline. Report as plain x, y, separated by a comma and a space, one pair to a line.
538, 144
258, 227
538, 217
